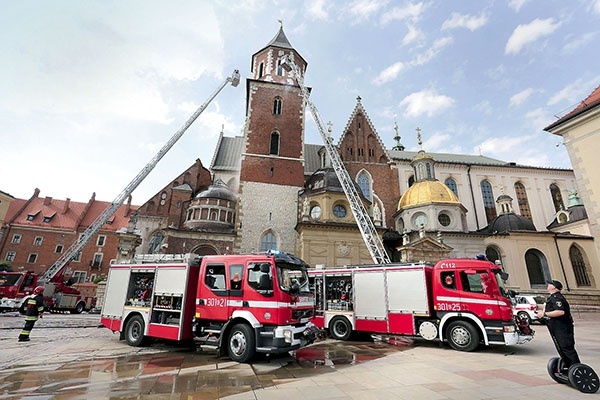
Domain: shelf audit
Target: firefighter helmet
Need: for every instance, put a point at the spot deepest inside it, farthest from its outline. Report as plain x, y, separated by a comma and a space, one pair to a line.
38, 290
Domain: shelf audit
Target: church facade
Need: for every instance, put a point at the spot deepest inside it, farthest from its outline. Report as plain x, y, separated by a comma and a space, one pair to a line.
268, 189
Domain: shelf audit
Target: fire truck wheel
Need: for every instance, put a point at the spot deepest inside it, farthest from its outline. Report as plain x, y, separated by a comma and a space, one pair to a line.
340, 328
554, 367
583, 378
462, 336
240, 345
79, 308
134, 331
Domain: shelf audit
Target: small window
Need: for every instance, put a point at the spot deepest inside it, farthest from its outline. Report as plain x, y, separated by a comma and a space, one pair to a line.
339, 211
236, 276
79, 276
472, 282
30, 217
277, 106
451, 183
10, 256
47, 219
16, 239
97, 261
32, 258
101, 240
59, 248
260, 276
38, 241
448, 281
77, 257
444, 219
215, 277
268, 242
274, 146
279, 68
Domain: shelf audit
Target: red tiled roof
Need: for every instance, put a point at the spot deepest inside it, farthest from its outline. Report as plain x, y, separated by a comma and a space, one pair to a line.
59, 220
591, 101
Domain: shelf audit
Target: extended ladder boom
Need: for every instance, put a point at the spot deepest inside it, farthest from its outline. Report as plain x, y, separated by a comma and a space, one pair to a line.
365, 224
95, 227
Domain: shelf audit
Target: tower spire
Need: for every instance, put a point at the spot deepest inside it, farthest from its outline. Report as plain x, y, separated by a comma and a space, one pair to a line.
398, 146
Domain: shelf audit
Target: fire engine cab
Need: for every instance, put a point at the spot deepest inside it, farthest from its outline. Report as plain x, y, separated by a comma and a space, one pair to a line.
240, 304
460, 301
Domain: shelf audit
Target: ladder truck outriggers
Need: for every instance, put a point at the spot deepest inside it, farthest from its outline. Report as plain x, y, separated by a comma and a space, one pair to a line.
459, 301
59, 296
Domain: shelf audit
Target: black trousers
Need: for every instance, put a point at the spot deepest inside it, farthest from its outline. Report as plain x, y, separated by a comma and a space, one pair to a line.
29, 323
563, 336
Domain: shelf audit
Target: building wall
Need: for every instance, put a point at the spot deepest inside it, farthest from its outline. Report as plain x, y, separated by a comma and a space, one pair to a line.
263, 207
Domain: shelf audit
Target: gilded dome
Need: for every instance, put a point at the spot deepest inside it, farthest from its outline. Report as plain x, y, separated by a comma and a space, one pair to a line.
426, 192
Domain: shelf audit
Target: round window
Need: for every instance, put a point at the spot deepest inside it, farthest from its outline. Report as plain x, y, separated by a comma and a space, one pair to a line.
315, 212
444, 219
339, 211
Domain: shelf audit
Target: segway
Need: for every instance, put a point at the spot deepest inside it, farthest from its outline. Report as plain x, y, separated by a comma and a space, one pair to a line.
581, 376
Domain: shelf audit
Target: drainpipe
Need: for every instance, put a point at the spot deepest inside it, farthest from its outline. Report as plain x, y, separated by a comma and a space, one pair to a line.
562, 266
472, 195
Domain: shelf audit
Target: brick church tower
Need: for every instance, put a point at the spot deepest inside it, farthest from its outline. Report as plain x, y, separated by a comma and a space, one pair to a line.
272, 166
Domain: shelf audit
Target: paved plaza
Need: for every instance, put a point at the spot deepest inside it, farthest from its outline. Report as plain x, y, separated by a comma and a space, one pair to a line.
69, 357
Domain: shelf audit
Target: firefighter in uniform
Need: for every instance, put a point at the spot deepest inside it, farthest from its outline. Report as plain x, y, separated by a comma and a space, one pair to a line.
33, 310
560, 324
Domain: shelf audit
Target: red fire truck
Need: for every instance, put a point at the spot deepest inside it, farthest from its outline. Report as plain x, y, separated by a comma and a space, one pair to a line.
240, 304
15, 287
460, 301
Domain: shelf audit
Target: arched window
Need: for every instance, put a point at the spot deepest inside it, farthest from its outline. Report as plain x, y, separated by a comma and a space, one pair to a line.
261, 68
156, 242
364, 182
279, 68
493, 254
411, 180
451, 183
556, 197
522, 200
268, 242
488, 201
274, 146
537, 267
277, 106
579, 266
428, 167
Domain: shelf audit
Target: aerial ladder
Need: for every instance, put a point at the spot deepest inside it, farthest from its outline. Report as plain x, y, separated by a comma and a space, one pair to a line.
54, 274
363, 220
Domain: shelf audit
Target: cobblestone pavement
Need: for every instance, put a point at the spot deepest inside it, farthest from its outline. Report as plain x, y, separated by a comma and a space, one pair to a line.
69, 357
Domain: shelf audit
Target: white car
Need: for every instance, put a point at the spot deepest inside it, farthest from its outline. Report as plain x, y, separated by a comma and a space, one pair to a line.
527, 307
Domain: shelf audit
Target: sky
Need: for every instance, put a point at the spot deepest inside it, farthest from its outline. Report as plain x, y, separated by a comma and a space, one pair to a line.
92, 90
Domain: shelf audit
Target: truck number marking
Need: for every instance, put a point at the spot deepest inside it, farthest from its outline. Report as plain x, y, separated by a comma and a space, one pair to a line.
215, 302
448, 265
448, 306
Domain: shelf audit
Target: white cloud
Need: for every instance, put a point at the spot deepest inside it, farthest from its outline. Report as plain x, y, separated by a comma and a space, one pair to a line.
529, 33
317, 9
580, 42
362, 10
433, 51
437, 141
484, 107
595, 6
412, 12
427, 102
469, 22
412, 35
516, 4
538, 119
521, 97
505, 145
570, 94
389, 74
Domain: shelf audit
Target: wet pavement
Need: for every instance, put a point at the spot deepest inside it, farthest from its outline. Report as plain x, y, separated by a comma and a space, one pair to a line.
69, 357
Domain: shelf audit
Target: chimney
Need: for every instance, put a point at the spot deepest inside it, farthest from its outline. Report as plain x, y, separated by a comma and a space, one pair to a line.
47, 200
66, 207
128, 206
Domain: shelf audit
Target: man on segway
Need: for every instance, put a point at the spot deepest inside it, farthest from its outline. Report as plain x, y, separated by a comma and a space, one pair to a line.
567, 368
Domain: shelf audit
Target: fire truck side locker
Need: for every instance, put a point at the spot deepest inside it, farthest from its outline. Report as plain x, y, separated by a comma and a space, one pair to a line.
114, 298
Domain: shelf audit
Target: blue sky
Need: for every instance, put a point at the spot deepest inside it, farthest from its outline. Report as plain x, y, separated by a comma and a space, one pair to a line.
93, 89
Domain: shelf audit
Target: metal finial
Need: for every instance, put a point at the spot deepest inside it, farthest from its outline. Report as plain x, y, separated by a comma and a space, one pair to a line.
419, 141
281, 22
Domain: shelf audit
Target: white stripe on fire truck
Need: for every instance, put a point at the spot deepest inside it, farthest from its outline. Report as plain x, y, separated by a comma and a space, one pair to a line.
474, 301
263, 304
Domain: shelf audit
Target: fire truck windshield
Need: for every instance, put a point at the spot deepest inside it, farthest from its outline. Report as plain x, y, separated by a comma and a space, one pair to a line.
291, 277
9, 279
500, 278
